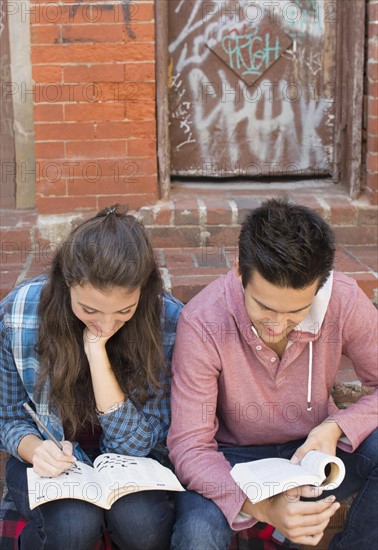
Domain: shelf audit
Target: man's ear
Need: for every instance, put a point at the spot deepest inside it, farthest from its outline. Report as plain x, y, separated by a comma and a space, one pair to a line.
237, 268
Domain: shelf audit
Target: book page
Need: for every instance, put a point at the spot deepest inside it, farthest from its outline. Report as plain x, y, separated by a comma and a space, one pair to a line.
265, 478
329, 468
128, 474
79, 482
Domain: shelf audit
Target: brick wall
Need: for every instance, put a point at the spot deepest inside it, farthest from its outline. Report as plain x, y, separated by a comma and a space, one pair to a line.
93, 66
372, 103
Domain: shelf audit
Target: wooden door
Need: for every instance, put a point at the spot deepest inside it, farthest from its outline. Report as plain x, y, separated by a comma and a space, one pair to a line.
252, 88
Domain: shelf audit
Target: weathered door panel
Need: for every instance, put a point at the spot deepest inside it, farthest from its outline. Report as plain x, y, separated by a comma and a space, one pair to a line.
252, 87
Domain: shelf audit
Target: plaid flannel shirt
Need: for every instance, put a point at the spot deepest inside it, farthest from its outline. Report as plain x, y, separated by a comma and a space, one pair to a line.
127, 430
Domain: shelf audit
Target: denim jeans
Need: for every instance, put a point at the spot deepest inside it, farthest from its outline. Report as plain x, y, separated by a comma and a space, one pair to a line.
201, 525
139, 521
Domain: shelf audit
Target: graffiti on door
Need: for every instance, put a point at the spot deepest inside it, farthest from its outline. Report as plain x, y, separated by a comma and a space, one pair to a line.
247, 87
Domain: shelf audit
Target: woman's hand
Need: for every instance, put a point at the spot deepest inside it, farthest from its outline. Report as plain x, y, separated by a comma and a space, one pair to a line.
94, 344
49, 461
106, 389
302, 522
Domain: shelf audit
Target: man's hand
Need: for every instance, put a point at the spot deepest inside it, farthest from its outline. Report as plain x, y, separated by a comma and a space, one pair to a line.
49, 461
301, 522
322, 438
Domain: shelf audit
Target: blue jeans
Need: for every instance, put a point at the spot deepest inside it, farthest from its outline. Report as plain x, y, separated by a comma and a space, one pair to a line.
139, 521
200, 524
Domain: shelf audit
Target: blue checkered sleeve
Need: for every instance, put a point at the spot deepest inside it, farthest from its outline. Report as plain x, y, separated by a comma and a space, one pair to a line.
17, 332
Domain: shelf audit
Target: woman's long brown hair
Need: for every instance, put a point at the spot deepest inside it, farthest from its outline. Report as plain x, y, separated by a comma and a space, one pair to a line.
109, 250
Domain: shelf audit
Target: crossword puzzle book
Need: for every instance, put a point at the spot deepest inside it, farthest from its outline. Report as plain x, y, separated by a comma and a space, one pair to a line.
111, 477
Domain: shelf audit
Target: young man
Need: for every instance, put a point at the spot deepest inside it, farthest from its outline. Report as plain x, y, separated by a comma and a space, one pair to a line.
256, 357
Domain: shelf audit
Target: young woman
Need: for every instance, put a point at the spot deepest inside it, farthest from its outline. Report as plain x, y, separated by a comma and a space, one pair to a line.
89, 348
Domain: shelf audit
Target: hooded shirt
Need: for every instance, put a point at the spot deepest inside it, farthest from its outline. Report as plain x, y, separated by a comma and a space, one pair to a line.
230, 388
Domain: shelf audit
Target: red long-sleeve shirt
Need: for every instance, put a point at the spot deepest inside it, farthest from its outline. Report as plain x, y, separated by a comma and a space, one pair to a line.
230, 388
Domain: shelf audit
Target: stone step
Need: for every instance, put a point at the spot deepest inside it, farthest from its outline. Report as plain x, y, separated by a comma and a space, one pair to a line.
185, 271
195, 234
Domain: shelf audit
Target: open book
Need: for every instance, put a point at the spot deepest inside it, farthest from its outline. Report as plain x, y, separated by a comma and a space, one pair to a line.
265, 478
111, 477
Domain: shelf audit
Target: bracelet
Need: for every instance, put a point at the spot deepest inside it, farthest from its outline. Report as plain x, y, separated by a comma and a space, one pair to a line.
111, 409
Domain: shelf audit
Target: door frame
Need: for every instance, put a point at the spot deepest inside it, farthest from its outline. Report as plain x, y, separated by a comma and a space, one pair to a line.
350, 56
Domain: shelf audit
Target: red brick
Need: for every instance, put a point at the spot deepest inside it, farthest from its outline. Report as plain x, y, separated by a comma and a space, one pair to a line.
61, 205
181, 259
372, 71
64, 131
53, 92
372, 143
186, 287
372, 126
112, 186
373, 197
373, 11
135, 91
49, 150
373, 50
372, 30
356, 235
180, 237
124, 129
134, 201
373, 86
92, 33
138, 13
342, 212
52, 13
372, 182
107, 12
140, 32
145, 12
140, 71
164, 213
92, 53
140, 111
346, 262
368, 215
48, 113
221, 236
141, 148
368, 255
14, 241
367, 282
45, 34
112, 72
47, 73
95, 111
373, 106
95, 149
218, 211
186, 212
372, 162
47, 187
125, 91
52, 170
125, 170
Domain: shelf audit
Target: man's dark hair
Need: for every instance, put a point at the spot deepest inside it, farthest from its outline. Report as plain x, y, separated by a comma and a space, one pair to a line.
288, 244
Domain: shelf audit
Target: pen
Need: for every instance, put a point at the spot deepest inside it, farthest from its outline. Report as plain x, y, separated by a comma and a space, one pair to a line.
38, 421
